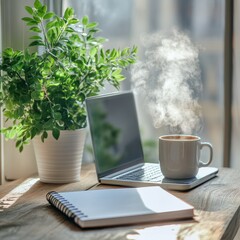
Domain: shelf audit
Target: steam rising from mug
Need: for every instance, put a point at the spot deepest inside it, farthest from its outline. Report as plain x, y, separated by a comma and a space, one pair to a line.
169, 78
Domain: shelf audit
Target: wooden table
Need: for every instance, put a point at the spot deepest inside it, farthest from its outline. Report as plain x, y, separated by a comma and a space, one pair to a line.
25, 213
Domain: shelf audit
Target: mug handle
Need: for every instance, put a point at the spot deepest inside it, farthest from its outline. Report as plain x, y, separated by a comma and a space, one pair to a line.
206, 144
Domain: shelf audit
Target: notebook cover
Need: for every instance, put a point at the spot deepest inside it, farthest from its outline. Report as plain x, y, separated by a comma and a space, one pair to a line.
109, 207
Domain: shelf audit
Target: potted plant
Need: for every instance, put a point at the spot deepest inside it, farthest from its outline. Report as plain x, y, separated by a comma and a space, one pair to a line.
44, 92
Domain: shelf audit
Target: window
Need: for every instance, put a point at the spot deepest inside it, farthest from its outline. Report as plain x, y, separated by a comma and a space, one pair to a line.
133, 22
129, 22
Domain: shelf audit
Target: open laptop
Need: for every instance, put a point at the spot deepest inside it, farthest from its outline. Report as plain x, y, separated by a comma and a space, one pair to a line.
118, 149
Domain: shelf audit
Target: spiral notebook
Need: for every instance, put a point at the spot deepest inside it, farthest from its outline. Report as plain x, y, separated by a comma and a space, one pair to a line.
110, 207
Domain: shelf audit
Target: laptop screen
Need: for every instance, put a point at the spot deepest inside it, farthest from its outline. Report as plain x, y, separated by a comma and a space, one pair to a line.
115, 132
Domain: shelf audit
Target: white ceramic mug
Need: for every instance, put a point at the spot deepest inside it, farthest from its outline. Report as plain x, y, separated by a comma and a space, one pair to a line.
179, 155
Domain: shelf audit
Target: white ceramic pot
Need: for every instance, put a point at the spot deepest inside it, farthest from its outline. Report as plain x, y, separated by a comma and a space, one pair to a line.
59, 161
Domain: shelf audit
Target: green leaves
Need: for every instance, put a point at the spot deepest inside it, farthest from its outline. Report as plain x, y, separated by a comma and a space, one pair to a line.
69, 12
85, 20
46, 92
91, 25
8, 53
48, 15
35, 29
37, 95
29, 10
37, 4
93, 51
56, 133
27, 19
44, 135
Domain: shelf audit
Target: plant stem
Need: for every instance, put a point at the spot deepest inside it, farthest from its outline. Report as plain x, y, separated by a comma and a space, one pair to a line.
61, 33
47, 44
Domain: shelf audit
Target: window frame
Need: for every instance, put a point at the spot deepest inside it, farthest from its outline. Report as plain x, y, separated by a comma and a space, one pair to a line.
228, 81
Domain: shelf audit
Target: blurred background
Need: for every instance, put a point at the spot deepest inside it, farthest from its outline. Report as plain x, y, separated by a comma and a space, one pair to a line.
132, 22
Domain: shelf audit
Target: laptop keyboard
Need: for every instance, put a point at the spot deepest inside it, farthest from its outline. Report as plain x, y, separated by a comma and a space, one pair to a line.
149, 172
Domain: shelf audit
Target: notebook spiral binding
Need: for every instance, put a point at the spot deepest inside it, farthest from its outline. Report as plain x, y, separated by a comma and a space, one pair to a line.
64, 206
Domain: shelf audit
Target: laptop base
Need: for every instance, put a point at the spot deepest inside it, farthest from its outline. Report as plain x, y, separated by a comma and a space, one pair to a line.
204, 174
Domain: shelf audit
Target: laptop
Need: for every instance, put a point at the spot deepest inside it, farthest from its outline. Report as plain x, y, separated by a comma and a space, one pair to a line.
117, 146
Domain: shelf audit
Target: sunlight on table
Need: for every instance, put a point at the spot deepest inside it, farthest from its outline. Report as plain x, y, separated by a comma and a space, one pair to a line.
9, 199
173, 232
